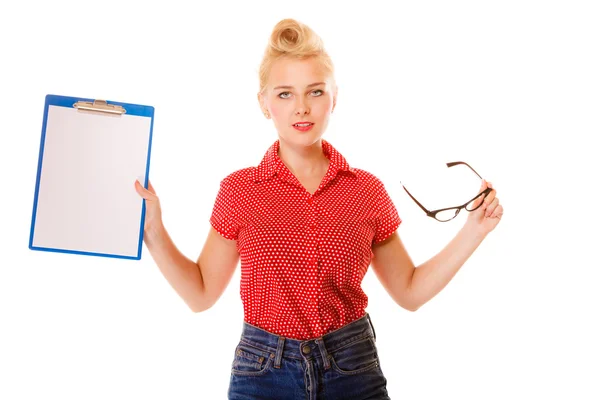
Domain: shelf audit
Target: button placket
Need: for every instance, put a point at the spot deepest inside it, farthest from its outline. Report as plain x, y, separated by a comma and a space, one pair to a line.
312, 228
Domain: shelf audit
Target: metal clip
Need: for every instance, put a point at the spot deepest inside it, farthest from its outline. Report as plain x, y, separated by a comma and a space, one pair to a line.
99, 106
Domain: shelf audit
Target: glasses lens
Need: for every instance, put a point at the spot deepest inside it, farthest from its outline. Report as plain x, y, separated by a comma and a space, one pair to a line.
446, 215
476, 203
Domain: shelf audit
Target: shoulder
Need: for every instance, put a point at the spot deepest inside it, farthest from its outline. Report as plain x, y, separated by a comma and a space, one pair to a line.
367, 179
372, 188
238, 181
240, 176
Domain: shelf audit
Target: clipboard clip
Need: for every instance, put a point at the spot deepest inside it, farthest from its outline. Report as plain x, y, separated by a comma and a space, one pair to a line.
99, 106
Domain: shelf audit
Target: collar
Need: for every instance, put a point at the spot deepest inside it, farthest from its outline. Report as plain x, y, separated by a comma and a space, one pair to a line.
271, 164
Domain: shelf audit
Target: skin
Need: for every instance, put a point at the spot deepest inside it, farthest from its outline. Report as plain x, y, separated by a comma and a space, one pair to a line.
201, 283
311, 97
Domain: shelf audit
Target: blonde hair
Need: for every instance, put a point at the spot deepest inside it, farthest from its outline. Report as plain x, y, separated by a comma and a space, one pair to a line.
292, 39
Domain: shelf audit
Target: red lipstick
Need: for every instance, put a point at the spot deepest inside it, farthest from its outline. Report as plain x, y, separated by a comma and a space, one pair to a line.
303, 126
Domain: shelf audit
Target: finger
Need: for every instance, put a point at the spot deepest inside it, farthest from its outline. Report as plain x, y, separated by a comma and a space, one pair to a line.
498, 212
477, 202
490, 197
491, 208
481, 189
143, 192
485, 184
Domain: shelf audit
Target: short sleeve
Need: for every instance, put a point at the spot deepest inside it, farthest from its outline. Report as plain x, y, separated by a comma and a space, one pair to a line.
387, 218
224, 214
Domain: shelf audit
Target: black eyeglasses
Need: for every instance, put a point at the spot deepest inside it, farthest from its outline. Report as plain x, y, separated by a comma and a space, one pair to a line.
447, 214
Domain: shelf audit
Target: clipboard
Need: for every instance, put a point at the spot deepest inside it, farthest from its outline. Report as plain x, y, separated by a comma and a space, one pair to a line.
91, 153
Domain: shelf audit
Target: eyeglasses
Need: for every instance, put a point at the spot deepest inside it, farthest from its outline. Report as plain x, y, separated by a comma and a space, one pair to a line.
447, 214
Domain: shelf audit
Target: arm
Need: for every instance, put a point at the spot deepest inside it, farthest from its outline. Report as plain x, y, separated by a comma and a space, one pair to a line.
411, 286
200, 284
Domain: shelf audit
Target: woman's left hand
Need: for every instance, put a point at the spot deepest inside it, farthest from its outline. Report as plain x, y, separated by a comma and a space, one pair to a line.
485, 218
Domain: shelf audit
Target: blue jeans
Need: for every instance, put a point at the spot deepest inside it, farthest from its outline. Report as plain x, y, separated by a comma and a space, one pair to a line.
343, 364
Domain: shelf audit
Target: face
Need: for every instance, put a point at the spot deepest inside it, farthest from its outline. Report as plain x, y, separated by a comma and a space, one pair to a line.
299, 91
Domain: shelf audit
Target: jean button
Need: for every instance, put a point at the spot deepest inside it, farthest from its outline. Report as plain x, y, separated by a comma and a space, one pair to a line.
306, 349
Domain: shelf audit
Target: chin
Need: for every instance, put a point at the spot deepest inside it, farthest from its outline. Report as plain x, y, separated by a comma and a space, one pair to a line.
302, 138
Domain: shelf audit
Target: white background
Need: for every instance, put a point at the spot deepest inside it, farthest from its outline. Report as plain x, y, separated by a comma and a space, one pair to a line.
510, 87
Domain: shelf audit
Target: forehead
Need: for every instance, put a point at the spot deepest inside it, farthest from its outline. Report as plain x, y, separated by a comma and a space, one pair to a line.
297, 73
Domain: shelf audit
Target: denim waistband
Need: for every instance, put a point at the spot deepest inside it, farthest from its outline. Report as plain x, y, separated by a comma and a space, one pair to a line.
309, 349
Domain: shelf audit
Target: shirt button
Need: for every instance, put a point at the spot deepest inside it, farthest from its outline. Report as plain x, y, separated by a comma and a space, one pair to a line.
310, 200
306, 349
313, 227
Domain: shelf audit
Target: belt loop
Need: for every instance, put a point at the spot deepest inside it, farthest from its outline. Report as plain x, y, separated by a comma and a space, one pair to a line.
324, 354
279, 351
372, 327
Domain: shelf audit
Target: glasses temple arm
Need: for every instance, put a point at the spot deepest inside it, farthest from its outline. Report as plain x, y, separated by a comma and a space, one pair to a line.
452, 164
416, 201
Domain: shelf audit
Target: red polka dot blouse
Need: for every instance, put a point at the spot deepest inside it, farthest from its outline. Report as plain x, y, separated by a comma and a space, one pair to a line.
303, 257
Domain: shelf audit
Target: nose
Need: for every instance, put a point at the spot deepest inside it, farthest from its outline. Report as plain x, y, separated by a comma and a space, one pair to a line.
302, 107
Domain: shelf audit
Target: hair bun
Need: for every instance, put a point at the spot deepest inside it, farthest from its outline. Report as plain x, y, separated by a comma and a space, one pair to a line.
294, 38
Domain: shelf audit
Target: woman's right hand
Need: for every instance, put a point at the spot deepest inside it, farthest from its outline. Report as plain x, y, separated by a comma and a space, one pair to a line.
153, 218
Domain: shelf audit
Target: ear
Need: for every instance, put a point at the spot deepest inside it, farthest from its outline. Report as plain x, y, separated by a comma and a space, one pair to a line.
261, 101
335, 94
263, 106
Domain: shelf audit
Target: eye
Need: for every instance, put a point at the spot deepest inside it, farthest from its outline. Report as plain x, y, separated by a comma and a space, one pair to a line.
280, 95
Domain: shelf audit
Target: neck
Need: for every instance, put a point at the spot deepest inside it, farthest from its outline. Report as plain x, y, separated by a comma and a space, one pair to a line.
303, 160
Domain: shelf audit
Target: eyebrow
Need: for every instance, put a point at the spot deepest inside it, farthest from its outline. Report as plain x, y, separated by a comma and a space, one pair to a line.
291, 87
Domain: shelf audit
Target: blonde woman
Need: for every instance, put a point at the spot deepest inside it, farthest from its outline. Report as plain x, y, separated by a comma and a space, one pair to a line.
306, 226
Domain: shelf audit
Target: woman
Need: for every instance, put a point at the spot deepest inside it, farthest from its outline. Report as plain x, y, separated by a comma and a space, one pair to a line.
306, 227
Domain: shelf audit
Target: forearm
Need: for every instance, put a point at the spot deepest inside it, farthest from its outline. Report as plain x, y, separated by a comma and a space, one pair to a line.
433, 275
182, 273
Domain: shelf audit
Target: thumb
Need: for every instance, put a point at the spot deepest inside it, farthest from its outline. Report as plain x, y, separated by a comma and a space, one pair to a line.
484, 185
143, 192
479, 200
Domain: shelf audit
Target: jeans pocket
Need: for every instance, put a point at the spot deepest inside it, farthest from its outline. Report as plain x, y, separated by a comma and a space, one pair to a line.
250, 360
356, 357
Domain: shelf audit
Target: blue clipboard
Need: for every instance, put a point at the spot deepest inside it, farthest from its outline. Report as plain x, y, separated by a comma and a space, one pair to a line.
91, 153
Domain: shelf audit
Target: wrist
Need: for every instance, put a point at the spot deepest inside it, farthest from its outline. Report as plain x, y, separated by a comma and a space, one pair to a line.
154, 233
472, 230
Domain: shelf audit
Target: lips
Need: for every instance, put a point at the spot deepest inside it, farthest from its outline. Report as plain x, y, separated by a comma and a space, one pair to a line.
303, 128
304, 123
